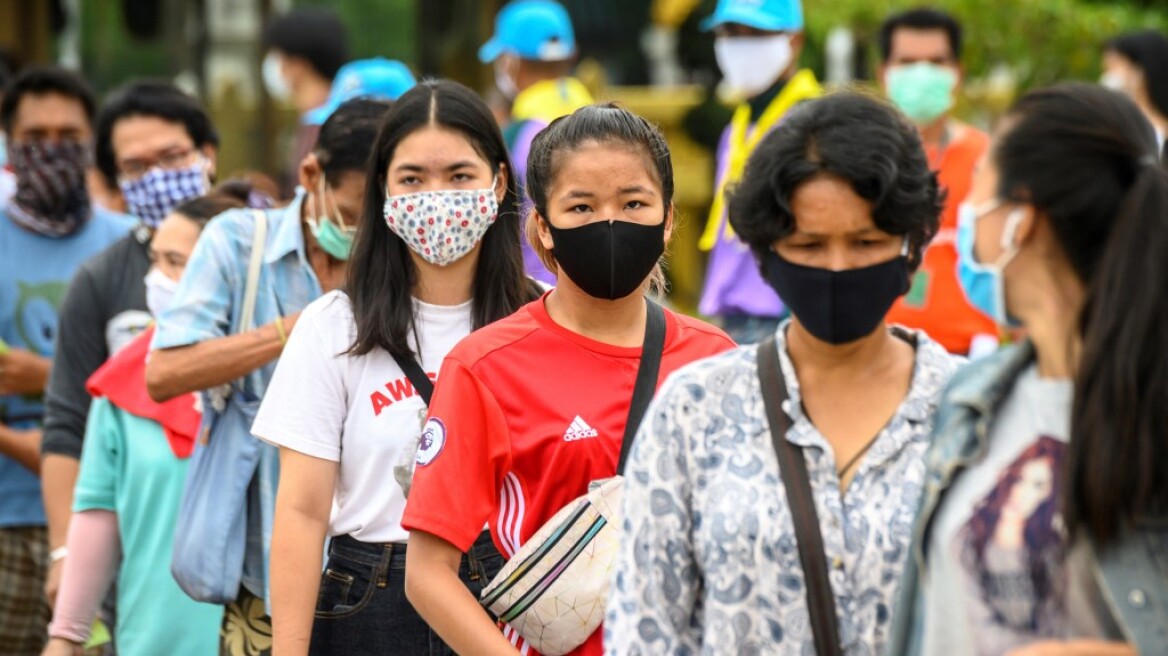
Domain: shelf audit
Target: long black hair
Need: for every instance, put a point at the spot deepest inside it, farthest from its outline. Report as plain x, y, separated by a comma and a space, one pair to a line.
1085, 157
382, 275
1148, 50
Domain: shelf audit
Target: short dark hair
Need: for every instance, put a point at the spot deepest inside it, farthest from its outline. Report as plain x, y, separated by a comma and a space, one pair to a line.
382, 273
1148, 50
923, 18
347, 137
857, 138
46, 79
314, 34
155, 98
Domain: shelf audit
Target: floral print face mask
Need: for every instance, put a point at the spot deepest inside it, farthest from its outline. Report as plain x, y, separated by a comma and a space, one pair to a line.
442, 226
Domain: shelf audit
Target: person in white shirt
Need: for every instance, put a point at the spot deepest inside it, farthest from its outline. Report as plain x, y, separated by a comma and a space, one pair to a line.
437, 255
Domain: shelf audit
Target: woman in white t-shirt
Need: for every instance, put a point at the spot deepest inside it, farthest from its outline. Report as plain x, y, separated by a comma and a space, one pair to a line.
437, 255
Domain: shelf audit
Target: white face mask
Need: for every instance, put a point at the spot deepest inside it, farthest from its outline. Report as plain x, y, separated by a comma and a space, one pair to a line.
503, 80
751, 64
1114, 81
273, 79
159, 291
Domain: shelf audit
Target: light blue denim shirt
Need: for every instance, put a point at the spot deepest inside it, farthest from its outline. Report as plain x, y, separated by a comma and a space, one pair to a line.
208, 305
1132, 574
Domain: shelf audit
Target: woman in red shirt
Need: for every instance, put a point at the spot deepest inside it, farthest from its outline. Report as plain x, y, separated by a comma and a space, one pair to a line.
530, 409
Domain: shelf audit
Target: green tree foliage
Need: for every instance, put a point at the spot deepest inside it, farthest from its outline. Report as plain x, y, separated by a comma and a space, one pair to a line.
1041, 41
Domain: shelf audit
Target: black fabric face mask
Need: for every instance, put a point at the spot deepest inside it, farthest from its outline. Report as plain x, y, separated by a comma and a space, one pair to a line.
608, 259
838, 307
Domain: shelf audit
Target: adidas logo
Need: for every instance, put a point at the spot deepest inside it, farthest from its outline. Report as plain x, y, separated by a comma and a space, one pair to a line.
579, 430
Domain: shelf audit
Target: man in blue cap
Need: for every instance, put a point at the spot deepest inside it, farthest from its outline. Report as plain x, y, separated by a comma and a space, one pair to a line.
533, 50
757, 45
376, 79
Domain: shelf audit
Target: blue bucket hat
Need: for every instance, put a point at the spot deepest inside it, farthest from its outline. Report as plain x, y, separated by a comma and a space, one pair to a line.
771, 15
531, 29
378, 78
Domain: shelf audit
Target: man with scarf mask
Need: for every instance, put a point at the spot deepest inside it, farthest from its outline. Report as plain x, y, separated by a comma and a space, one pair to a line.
757, 45
47, 229
158, 145
921, 74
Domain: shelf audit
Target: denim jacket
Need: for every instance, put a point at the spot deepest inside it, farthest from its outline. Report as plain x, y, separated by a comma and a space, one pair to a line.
1132, 573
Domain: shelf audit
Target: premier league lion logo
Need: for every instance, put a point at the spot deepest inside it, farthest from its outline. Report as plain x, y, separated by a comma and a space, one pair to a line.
432, 441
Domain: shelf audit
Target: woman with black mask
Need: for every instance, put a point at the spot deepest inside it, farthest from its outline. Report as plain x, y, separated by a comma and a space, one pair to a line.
837, 206
531, 409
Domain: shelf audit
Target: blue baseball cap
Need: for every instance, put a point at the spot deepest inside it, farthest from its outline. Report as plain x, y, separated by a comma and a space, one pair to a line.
531, 29
378, 78
772, 15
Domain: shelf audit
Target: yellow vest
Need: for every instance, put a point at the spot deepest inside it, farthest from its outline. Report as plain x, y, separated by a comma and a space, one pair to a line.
550, 99
743, 140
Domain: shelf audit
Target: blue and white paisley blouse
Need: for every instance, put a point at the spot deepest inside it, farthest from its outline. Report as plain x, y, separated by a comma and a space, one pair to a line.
708, 562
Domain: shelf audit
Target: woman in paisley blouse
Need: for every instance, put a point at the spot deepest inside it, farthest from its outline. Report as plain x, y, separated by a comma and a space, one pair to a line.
837, 205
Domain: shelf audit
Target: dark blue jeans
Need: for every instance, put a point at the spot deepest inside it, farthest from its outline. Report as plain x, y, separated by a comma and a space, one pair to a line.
362, 606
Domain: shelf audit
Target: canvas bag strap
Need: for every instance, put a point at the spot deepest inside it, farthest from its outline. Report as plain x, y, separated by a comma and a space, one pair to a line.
252, 285
793, 468
418, 378
251, 288
646, 384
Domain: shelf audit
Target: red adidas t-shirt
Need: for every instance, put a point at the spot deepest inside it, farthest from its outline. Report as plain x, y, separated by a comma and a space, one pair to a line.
525, 414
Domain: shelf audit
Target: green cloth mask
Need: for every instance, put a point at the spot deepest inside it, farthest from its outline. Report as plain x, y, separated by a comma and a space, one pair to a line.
333, 236
923, 91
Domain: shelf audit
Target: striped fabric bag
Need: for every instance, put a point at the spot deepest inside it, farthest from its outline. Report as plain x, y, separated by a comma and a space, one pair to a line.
553, 591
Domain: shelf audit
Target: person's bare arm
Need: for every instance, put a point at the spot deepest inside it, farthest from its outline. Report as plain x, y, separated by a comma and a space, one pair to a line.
443, 600
303, 503
23, 446
174, 371
23, 372
1076, 648
58, 478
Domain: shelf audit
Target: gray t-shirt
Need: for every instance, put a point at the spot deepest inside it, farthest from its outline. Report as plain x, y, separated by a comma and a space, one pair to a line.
1000, 571
104, 309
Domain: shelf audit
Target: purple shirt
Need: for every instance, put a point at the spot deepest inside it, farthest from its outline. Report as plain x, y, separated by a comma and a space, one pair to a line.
519, 152
733, 282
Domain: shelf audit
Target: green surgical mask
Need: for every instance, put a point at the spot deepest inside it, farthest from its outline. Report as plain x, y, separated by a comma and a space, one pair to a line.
333, 236
923, 91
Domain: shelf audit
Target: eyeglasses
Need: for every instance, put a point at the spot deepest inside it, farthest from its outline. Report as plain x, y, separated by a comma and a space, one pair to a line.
134, 169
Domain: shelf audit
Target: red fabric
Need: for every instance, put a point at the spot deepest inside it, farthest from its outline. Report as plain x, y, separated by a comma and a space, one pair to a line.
122, 380
937, 303
530, 414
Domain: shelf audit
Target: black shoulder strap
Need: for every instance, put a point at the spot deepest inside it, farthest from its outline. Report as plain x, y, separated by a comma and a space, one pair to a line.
419, 379
793, 468
647, 372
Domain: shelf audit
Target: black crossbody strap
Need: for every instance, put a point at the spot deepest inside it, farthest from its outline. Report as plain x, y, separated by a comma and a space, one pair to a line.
647, 372
793, 468
421, 382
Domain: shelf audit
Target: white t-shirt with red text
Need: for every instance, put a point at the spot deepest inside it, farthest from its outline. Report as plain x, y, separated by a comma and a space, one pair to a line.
359, 411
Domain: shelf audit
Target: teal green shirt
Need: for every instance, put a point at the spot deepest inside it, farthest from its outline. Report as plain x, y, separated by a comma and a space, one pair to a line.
127, 467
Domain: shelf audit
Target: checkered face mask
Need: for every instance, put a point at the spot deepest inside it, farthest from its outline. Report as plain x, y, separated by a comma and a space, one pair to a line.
442, 226
155, 194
